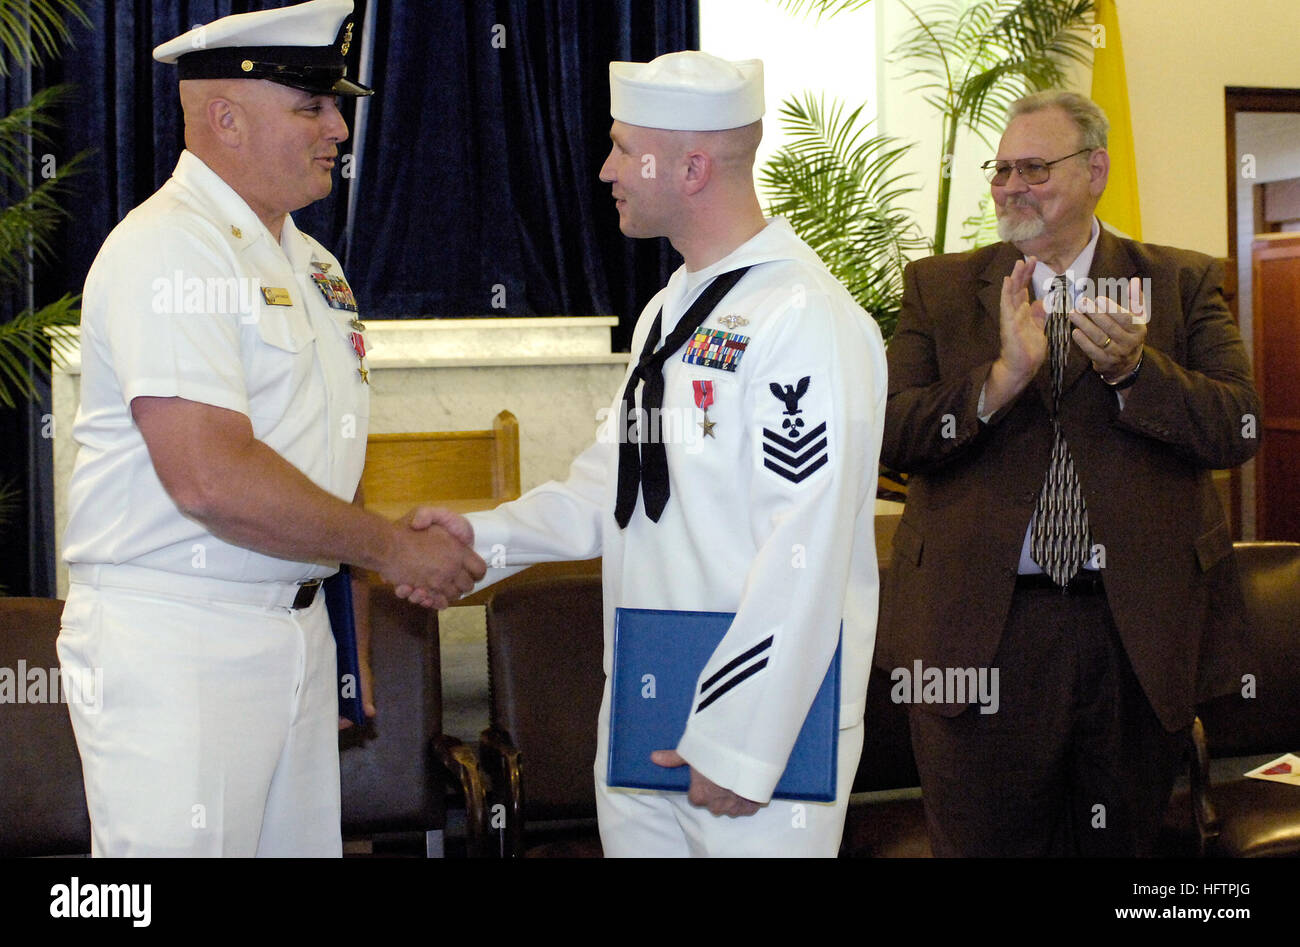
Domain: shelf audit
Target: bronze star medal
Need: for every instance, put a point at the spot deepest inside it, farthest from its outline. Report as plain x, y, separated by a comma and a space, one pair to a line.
703, 400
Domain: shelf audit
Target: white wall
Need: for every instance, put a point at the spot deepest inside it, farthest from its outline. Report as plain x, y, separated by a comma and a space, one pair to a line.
1179, 54
837, 56
1179, 59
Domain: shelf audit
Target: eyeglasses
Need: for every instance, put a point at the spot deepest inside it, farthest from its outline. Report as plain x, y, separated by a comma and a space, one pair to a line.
1031, 170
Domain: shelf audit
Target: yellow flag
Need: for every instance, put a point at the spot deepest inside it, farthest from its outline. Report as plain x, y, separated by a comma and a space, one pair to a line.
1119, 204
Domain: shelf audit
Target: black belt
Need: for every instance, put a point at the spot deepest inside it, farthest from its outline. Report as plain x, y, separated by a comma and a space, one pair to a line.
306, 593
1085, 582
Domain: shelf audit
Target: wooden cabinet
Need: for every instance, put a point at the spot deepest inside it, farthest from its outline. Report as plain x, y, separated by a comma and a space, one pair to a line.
1276, 268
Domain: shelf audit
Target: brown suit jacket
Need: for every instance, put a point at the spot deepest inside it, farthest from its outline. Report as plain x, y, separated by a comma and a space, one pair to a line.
1170, 575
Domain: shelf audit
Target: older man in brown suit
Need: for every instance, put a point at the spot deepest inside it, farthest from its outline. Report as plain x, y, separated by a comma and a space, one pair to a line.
1061, 526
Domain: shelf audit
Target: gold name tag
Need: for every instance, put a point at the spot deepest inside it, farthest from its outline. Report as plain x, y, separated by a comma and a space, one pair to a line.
275, 296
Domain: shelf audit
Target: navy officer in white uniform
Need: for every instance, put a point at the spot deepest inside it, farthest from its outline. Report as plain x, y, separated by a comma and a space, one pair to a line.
760, 500
221, 433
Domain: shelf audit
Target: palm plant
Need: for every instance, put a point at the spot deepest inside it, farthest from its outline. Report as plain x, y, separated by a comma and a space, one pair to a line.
29, 31
838, 188
977, 58
823, 8
982, 226
974, 58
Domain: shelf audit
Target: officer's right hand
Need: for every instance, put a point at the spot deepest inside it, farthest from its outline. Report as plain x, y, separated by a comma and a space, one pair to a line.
433, 566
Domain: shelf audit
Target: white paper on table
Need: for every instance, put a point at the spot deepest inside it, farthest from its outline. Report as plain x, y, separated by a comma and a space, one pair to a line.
1292, 777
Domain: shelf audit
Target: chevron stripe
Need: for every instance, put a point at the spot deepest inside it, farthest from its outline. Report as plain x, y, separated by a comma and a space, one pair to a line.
803, 474
796, 444
795, 462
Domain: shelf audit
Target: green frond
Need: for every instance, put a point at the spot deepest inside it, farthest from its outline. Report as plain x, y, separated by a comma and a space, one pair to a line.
821, 9
838, 185
31, 221
970, 51
981, 227
25, 339
928, 50
27, 127
1024, 48
10, 495
31, 30
973, 58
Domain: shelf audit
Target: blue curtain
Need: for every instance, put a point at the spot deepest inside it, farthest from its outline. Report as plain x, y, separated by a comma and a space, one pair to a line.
480, 161
127, 112
476, 190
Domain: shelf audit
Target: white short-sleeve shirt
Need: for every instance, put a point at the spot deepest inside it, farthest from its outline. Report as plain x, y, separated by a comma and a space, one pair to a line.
192, 297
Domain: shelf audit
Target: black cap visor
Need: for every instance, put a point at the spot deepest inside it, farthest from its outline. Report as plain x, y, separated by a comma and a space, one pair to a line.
318, 70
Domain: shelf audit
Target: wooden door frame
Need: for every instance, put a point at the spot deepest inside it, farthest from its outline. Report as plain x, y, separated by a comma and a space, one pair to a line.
1245, 99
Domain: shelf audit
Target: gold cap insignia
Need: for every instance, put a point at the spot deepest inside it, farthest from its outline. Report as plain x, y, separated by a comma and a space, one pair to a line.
246, 65
347, 39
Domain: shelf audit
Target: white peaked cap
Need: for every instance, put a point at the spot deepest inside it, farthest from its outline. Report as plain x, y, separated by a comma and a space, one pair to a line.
302, 46
687, 91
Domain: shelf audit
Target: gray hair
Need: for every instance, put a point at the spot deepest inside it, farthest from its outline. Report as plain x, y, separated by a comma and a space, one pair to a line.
1086, 115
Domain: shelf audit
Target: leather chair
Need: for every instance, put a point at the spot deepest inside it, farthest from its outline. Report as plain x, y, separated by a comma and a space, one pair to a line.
394, 769
1237, 816
545, 642
42, 793
886, 818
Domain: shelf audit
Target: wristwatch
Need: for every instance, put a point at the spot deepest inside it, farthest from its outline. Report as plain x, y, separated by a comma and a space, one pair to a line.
1128, 380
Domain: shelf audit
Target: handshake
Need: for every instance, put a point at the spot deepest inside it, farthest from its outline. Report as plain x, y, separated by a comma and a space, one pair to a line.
431, 561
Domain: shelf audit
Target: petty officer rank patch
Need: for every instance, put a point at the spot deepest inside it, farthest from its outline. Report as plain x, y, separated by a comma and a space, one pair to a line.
714, 348
334, 288
795, 441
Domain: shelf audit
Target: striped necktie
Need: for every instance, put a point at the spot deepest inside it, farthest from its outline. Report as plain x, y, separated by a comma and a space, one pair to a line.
1060, 540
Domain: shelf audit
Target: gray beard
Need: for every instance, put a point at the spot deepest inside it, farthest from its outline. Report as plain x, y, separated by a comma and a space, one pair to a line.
1017, 231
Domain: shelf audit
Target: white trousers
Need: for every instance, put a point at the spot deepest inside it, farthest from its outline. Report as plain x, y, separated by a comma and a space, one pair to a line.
639, 824
217, 730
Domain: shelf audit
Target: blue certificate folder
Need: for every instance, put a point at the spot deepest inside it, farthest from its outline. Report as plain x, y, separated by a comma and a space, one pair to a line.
338, 599
673, 648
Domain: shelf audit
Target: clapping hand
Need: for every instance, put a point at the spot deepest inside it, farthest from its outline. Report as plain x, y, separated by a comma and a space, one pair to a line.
1111, 335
